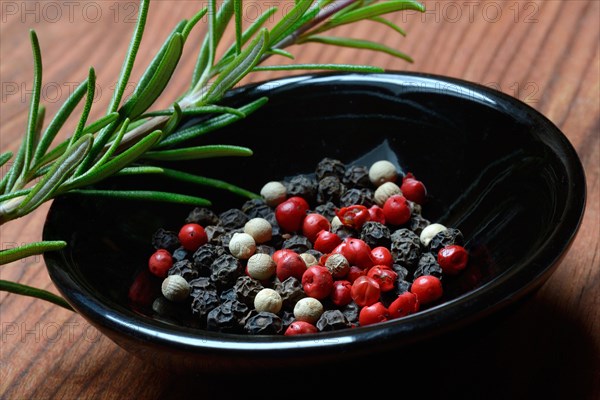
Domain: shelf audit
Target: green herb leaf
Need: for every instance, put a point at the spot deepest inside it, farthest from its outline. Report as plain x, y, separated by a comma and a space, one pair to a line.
238, 68
210, 125
357, 44
101, 123
109, 168
134, 46
58, 121
174, 120
144, 195
192, 23
375, 10
160, 72
203, 181
389, 24
5, 157
291, 18
325, 67
139, 170
30, 137
57, 174
18, 288
91, 90
251, 30
192, 111
198, 152
31, 249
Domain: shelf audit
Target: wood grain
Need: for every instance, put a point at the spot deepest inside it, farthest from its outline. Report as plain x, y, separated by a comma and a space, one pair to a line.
545, 53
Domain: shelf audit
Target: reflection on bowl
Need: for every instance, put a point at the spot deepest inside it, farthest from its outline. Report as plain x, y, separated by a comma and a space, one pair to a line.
494, 167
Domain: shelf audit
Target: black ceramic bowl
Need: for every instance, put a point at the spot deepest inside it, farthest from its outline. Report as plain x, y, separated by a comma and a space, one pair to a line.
494, 168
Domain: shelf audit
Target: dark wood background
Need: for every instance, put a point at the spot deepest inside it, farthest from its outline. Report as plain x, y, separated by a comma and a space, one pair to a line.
542, 52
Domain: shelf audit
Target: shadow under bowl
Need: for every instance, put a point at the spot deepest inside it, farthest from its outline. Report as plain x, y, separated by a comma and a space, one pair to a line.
494, 168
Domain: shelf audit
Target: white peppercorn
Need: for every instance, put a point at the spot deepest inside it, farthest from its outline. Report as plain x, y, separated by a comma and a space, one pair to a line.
175, 288
309, 259
429, 232
385, 191
261, 266
242, 246
382, 171
337, 264
308, 309
336, 222
274, 193
260, 229
268, 300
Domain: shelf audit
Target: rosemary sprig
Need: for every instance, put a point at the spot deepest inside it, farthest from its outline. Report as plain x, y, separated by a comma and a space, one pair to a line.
130, 137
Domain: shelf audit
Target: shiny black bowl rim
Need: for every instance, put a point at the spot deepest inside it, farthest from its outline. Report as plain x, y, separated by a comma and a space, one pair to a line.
121, 324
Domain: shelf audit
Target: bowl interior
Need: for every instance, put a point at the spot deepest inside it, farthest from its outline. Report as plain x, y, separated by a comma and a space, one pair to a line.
494, 168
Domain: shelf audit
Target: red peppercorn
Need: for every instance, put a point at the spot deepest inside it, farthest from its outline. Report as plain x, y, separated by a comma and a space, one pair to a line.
452, 259
427, 288
144, 289
278, 254
354, 272
290, 264
326, 241
317, 282
341, 294
290, 214
405, 304
396, 210
354, 216
313, 224
356, 251
413, 189
382, 256
365, 291
376, 214
160, 262
373, 314
300, 328
384, 275
192, 236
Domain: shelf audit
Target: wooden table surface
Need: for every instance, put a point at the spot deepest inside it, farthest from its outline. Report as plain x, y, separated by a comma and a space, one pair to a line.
545, 53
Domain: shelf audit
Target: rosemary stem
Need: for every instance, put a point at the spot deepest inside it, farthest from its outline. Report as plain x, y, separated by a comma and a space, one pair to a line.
321, 16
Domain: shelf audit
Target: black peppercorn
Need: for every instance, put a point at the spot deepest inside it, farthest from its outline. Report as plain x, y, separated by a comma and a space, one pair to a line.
203, 302
406, 247
163, 239
330, 167
246, 289
290, 291
256, 208
233, 219
327, 210
332, 320
264, 323
202, 216
227, 316
330, 189
180, 254
357, 176
428, 265
351, 311
445, 238
298, 243
225, 270
185, 269
303, 186
355, 196
375, 234
205, 256
215, 234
